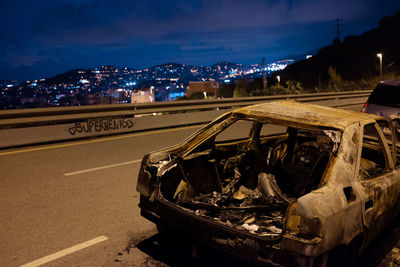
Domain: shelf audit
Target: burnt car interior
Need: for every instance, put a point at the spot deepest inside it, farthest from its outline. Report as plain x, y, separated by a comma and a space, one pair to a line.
245, 175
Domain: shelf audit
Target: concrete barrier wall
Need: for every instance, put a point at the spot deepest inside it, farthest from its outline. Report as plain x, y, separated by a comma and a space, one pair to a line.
100, 127
116, 125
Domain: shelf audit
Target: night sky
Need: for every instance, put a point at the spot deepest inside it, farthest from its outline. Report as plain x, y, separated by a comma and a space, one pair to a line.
41, 38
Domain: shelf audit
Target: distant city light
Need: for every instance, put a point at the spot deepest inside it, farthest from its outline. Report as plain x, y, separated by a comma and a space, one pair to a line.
308, 56
122, 86
176, 95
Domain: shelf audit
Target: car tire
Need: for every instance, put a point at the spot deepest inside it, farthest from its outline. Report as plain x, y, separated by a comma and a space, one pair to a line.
167, 234
344, 256
170, 235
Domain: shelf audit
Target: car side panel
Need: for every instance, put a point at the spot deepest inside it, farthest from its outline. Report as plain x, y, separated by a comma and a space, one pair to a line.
380, 205
340, 214
381, 110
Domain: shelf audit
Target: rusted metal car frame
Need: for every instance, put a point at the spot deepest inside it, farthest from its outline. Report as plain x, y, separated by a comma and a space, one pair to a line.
327, 180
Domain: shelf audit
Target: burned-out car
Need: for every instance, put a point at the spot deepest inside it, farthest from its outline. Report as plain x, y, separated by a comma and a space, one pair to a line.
281, 182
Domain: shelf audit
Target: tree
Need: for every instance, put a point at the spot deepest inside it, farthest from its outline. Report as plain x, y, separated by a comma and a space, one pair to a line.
292, 87
335, 80
241, 88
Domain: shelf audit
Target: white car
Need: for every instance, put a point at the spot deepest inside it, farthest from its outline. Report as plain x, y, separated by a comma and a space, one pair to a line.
384, 100
283, 183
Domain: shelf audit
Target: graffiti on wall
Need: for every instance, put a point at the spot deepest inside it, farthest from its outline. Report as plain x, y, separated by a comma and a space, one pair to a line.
100, 125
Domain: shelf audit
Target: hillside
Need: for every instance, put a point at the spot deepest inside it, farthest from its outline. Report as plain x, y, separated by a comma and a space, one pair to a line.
72, 76
355, 60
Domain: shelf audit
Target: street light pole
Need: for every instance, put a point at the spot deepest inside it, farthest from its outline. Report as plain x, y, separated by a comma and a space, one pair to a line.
380, 65
263, 73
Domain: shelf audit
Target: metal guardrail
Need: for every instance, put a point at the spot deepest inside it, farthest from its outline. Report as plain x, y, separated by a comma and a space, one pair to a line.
50, 116
41, 125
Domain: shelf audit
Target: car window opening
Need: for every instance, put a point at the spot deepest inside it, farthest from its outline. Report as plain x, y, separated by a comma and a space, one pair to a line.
396, 127
372, 163
248, 183
387, 95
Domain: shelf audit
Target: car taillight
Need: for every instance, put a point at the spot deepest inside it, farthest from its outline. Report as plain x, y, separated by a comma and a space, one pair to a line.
143, 183
309, 228
300, 226
364, 108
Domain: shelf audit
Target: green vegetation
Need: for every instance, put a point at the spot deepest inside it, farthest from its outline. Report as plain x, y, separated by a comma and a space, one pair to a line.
289, 88
244, 88
241, 88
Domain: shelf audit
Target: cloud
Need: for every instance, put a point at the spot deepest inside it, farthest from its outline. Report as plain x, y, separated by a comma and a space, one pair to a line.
105, 22
24, 60
60, 34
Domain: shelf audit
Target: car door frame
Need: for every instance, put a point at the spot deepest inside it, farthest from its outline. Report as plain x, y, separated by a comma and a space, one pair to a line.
375, 203
396, 162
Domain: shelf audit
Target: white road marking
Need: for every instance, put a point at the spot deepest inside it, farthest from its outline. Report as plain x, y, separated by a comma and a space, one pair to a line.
65, 252
103, 167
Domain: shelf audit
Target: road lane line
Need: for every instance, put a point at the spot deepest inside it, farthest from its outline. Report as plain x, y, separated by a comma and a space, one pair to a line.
65, 252
102, 139
103, 167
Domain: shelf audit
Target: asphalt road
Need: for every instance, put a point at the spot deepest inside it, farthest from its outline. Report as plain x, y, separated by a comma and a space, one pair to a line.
46, 207
75, 204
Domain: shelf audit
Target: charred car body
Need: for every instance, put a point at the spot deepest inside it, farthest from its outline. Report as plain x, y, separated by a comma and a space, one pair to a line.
280, 182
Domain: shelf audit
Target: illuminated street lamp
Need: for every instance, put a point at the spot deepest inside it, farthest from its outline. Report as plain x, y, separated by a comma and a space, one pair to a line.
279, 79
380, 65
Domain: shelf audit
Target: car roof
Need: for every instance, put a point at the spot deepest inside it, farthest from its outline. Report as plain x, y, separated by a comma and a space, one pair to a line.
296, 113
391, 83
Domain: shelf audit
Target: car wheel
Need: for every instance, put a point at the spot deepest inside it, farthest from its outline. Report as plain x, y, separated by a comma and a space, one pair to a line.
177, 241
170, 235
344, 256
166, 233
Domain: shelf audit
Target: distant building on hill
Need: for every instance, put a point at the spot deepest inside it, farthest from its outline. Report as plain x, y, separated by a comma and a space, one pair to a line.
208, 87
142, 96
